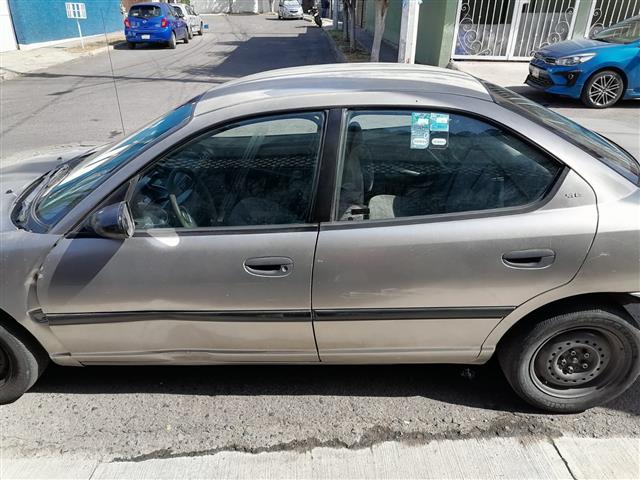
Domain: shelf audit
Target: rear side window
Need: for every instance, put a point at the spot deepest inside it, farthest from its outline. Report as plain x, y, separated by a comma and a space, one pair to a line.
412, 163
596, 145
145, 11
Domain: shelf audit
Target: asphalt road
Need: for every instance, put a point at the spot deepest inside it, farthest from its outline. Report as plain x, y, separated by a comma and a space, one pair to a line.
147, 412
75, 102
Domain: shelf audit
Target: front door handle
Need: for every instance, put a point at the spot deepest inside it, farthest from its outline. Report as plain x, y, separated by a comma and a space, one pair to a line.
269, 266
534, 258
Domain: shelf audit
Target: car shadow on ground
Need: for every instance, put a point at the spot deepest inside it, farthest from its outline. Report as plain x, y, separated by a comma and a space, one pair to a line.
475, 386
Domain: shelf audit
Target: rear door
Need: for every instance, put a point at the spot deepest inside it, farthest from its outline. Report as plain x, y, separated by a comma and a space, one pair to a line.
220, 265
442, 224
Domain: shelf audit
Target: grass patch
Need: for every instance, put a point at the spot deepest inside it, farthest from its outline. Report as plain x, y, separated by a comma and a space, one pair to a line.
352, 56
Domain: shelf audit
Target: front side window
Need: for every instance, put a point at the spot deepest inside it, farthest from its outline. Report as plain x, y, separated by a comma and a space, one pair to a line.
404, 164
256, 172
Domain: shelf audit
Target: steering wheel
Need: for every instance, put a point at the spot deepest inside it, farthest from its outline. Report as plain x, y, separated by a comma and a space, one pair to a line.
184, 186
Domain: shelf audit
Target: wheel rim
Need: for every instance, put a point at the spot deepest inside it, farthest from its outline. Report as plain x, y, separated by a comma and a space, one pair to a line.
579, 362
605, 89
5, 366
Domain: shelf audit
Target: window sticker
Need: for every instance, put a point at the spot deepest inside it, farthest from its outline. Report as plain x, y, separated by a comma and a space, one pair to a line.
439, 130
420, 133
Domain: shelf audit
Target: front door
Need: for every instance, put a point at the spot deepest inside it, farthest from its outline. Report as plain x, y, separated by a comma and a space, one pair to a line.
219, 268
443, 224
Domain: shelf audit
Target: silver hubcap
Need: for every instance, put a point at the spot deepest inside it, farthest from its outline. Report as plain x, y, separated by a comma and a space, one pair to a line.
605, 90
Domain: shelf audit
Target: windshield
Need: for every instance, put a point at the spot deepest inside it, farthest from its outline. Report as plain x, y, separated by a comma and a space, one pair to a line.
59, 197
596, 145
627, 31
291, 3
145, 11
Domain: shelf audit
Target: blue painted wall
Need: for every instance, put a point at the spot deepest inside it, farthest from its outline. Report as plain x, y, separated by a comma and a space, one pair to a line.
46, 20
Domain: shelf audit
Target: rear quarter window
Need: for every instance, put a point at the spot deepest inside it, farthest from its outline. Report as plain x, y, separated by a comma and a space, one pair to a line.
592, 143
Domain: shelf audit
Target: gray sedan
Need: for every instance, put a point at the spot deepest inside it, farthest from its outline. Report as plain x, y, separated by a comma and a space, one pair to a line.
333, 214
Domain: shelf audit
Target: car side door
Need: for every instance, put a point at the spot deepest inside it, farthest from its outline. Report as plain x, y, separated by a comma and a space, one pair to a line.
443, 223
219, 267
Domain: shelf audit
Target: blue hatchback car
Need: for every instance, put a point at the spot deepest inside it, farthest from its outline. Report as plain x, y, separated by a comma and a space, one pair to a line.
154, 23
600, 70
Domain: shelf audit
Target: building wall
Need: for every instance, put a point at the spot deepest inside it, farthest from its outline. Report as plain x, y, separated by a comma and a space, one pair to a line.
392, 22
38, 21
436, 28
232, 6
7, 35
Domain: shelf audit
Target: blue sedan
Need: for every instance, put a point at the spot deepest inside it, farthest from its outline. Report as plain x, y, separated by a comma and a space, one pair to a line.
155, 23
600, 71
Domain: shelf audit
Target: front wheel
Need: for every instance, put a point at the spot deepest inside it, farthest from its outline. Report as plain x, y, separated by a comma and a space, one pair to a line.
187, 36
573, 361
603, 90
172, 41
318, 20
201, 31
21, 363
190, 33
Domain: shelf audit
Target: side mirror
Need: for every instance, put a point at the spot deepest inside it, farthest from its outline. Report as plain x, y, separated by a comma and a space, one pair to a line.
113, 221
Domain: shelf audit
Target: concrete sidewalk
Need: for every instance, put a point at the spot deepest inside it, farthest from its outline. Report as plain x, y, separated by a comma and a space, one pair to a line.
505, 74
512, 458
19, 62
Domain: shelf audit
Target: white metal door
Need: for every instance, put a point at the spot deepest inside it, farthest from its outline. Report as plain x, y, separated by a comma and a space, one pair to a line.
510, 29
608, 12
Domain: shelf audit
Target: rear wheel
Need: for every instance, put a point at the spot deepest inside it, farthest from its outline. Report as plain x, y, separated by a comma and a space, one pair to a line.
131, 45
172, 41
573, 361
603, 90
189, 33
21, 363
187, 36
201, 31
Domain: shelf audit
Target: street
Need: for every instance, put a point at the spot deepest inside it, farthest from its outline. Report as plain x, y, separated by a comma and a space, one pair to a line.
141, 413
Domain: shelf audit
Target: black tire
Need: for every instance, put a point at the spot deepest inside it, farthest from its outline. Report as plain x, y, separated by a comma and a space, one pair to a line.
131, 45
603, 90
172, 42
189, 33
201, 31
21, 363
186, 37
318, 20
539, 360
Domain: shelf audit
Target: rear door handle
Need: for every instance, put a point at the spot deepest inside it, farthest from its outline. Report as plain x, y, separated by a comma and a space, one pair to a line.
269, 266
534, 258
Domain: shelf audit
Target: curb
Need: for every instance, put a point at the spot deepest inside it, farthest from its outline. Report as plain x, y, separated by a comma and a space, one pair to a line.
6, 74
337, 53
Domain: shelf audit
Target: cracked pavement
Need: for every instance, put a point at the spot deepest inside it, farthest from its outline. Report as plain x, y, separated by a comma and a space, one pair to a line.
141, 413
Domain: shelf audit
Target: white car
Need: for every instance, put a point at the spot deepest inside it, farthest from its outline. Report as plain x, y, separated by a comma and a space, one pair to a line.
290, 9
193, 20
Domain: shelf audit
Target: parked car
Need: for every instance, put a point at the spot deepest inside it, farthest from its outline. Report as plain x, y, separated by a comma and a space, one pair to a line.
189, 15
290, 9
600, 71
433, 218
154, 23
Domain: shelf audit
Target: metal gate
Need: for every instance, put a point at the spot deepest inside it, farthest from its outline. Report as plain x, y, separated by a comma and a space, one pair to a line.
510, 29
608, 12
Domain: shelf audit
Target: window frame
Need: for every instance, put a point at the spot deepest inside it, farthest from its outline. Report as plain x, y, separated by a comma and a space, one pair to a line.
312, 223
334, 223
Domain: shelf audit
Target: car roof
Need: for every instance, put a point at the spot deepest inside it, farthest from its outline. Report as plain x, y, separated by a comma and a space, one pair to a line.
344, 77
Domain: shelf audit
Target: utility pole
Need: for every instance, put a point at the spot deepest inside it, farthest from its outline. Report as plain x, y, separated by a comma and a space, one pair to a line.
336, 6
409, 31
